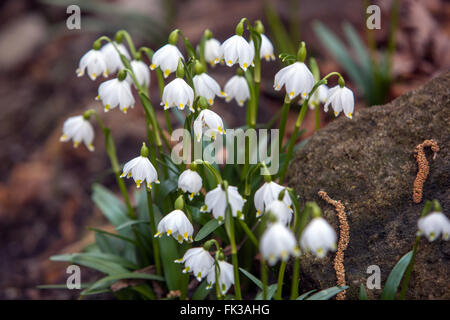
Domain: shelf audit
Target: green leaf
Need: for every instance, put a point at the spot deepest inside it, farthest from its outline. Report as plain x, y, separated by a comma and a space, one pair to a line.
303, 296
327, 293
394, 278
201, 292
207, 229
102, 262
270, 292
131, 223
252, 277
107, 281
111, 207
362, 292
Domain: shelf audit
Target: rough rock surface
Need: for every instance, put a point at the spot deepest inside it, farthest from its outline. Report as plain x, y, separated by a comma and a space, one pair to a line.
368, 164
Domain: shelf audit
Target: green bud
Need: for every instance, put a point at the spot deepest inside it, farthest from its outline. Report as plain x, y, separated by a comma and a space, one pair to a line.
207, 245
87, 114
240, 72
220, 256
97, 44
208, 34
341, 82
224, 185
202, 103
179, 203
259, 27
198, 67
122, 75
144, 150
301, 53
437, 206
193, 166
118, 37
281, 195
180, 69
173, 37
240, 28
267, 178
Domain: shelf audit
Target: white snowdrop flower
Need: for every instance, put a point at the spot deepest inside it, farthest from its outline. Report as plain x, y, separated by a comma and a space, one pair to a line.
341, 99
191, 182
281, 211
178, 94
318, 237
278, 242
167, 58
198, 261
216, 202
79, 130
297, 78
112, 57
433, 225
140, 168
237, 88
208, 123
95, 63
115, 93
237, 50
319, 96
212, 51
267, 193
141, 72
266, 50
226, 276
207, 87
177, 225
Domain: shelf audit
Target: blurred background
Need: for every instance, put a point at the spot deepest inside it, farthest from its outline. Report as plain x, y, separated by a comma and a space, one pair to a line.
45, 185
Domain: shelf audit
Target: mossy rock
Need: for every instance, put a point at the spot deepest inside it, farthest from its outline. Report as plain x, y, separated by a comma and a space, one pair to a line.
368, 163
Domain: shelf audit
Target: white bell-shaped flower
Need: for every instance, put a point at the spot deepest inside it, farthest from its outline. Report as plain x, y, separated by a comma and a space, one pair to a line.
208, 123
266, 50
433, 225
141, 72
318, 237
198, 261
237, 50
95, 63
205, 86
112, 57
281, 211
319, 96
212, 51
115, 93
191, 182
296, 78
267, 193
237, 88
177, 225
140, 168
226, 276
341, 99
79, 130
167, 58
216, 202
278, 242
178, 94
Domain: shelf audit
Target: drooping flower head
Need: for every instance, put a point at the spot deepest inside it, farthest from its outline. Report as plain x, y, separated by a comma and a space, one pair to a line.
212, 51
95, 63
177, 225
318, 237
341, 99
178, 94
198, 261
205, 86
237, 50
216, 202
237, 88
112, 57
141, 72
116, 92
141, 169
166, 58
433, 225
191, 182
278, 242
281, 211
79, 129
266, 50
319, 96
208, 123
267, 193
226, 276
296, 78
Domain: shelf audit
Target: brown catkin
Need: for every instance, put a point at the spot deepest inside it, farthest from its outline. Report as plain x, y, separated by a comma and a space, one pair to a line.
344, 237
423, 167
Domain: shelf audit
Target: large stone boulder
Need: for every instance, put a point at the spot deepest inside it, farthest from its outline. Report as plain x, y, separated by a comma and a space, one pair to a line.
368, 163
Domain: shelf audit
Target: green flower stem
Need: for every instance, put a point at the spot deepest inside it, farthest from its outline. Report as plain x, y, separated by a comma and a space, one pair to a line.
264, 277
249, 232
217, 274
127, 37
280, 280
317, 119
407, 277
295, 279
112, 154
155, 243
284, 115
